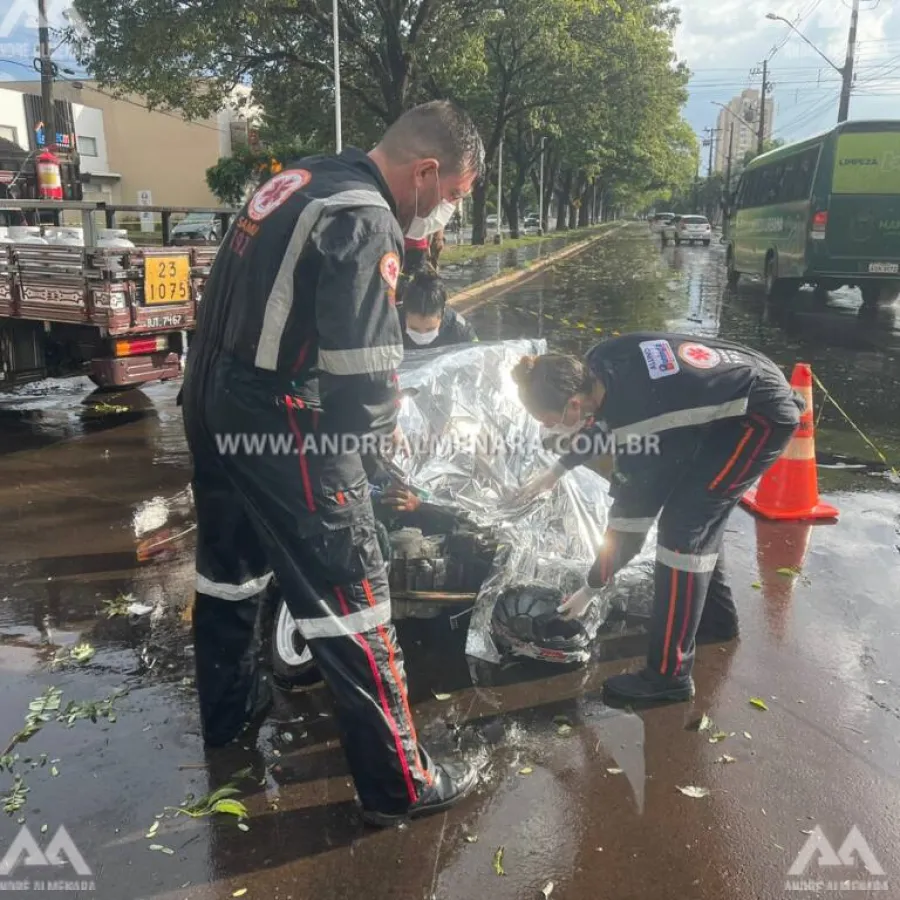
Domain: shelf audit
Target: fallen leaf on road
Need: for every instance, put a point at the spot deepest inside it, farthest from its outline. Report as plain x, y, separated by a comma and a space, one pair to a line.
805, 831
563, 730
43, 829
756, 585
81, 653
718, 736
471, 838
526, 771
758, 703
243, 826
498, 861
748, 735
442, 696
153, 829
547, 890
167, 850
881, 681
788, 571
695, 792
239, 892
705, 723
615, 771
725, 758
54, 771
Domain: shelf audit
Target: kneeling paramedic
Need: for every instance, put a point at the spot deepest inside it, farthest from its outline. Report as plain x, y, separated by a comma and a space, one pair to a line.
692, 423
297, 344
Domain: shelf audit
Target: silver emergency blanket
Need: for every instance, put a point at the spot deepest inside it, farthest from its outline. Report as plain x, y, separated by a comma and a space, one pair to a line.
471, 446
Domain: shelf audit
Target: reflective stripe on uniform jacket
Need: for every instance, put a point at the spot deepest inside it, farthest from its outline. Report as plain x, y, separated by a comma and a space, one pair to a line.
302, 292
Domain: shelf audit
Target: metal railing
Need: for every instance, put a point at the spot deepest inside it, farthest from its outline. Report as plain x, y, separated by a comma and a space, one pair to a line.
89, 210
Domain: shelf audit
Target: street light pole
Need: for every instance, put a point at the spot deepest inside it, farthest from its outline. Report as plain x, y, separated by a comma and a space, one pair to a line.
337, 76
541, 198
845, 71
499, 237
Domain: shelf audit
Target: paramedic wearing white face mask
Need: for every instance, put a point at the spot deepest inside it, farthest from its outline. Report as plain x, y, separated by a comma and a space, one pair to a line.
427, 320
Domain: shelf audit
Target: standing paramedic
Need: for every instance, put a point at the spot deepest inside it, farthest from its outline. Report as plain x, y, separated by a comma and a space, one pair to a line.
692, 423
298, 341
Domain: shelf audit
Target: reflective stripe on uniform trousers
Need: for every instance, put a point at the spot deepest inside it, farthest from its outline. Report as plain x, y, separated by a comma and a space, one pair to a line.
686, 562
224, 591
281, 297
632, 526
683, 418
347, 625
361, 361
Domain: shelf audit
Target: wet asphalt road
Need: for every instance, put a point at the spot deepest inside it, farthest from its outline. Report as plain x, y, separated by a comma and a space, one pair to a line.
80, 492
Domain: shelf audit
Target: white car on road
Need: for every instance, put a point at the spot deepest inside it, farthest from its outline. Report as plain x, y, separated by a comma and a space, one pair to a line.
684, 229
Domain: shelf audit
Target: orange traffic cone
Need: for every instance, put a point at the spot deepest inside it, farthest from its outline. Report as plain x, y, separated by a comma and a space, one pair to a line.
790, 489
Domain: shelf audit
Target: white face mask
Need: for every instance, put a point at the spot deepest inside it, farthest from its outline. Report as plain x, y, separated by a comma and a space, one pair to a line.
437, 219
423, 338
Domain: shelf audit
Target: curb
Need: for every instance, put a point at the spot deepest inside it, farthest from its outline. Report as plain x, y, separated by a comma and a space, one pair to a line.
472, 297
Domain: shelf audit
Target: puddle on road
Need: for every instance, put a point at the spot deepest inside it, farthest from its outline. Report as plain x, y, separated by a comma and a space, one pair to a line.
109, 513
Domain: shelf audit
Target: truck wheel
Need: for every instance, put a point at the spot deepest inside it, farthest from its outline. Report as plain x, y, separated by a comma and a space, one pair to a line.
292, 661
879, 294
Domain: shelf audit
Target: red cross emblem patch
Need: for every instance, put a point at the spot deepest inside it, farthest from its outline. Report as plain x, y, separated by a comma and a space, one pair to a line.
276, 191
390, 269
699, 356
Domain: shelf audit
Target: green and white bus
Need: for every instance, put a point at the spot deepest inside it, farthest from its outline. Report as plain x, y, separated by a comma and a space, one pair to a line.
824, 211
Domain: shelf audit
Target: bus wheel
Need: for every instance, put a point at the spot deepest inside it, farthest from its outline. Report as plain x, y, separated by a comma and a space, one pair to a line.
776, 288
733, 275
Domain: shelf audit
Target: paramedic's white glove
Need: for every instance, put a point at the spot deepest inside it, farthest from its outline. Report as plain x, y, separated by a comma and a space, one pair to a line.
540, 483
576, 605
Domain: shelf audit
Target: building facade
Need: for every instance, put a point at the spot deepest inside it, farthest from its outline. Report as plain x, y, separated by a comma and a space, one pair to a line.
124, 150
734, 124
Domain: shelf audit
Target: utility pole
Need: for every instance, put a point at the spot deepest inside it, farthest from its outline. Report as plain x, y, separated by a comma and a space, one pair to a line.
46, 78
541, 198
847, 71
761, 137
726, 206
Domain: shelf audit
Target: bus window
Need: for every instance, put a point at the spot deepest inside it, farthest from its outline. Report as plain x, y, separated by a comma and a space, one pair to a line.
806, 171
789, 181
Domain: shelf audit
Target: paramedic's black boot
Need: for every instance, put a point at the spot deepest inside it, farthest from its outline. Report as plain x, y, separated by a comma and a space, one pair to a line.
452, 781
647, 686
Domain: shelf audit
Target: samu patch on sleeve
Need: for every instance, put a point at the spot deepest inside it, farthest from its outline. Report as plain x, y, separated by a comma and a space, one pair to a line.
390, 269
660, 359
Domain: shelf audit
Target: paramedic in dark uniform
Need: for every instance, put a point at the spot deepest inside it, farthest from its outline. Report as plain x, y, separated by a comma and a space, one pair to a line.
692, 423
297, 345
427, 320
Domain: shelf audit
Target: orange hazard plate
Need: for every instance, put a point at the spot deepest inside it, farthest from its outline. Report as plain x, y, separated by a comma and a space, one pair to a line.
167, 279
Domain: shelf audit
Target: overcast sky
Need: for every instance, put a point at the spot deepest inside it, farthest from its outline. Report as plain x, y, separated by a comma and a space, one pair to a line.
723, 40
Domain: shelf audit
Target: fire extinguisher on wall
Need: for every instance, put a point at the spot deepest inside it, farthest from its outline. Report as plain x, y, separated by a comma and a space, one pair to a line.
49, 176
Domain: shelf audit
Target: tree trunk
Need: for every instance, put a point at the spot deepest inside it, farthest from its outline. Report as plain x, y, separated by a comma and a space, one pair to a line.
563, 205
479, 202
584, 213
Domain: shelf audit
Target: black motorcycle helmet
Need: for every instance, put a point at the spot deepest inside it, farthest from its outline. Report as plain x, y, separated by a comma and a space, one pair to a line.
525, 623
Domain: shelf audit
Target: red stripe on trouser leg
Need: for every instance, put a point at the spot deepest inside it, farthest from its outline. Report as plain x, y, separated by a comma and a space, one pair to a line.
767, 433
673, 596
382, 696
689, 588
398, 681
748, 432
304, 469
